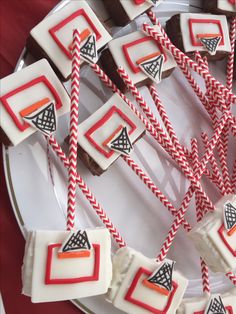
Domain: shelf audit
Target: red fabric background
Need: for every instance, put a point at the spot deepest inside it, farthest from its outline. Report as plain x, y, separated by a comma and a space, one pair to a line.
17, 17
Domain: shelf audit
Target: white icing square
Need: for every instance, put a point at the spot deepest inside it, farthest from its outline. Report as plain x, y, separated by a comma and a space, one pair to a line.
135, 51
102, 124
133, 10
41, 71
60, 272
215, 246
127, 291
212, 24
86, 18
197, 305
225, 5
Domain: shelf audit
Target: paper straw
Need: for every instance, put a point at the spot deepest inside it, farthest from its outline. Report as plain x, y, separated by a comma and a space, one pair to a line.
199, 214
108, 82
73, 137
182, 211
88, 194
220, 146
165, 42
163, 139
234, 177
214, 165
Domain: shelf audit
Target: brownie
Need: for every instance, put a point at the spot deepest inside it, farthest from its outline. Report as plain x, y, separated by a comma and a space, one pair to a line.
212, 7
173, 30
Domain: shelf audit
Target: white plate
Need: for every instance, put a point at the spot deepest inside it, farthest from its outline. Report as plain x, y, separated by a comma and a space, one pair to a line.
138, 215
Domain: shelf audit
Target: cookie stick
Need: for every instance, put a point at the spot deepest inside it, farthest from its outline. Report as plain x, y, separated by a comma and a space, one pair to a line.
199, 214
108, 82
177, 221
163, 140
201, 70
74, 121
214, 165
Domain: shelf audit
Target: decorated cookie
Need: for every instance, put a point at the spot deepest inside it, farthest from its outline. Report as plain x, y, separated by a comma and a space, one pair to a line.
216, 304
226, 7
140, 285
143, 59
31, 100
206, 33
125, 11
215, 236
64, 265
108, 133
52, 39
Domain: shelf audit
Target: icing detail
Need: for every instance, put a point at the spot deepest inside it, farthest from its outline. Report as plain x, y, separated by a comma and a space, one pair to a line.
153, 68
129, 49
56, 28
121, 142
194, 37
139, 1
22, 126
229, 214
126, 47
76, 242
52, 280
107, 141
211, 44
162, 276
33, 107
113, 110
154, 2
221, 232
215, 305
83, 35
43, 119
136, 281
89, 50
193, 24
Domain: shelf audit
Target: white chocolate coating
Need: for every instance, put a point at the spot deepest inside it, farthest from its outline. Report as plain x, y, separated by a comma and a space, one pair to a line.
136, 52
198, 304
203, 28
225, 5
211, 243
103, 132
126, 264
133, 10
41, 34
29, 96
34, 267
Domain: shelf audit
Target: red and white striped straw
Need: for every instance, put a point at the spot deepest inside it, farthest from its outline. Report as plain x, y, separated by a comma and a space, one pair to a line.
108, 82
73, 138
201, 70
234, 177
214, 165
220, 146
199, 214
182, 211
230, 62
163, 139
168, 125
88, 194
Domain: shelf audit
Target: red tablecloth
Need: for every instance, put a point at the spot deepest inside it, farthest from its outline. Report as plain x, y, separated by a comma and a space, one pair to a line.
17, 17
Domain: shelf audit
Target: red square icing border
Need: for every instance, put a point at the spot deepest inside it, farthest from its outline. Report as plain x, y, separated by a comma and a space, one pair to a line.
22, 126
135, 68
197, 43
60, 25
221, 234
101, 122
130, 298
95, 276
